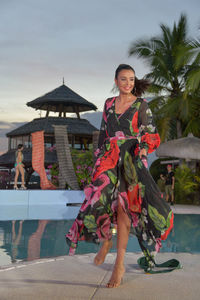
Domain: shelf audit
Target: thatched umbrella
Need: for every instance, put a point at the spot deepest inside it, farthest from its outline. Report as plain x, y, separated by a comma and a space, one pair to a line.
187, 148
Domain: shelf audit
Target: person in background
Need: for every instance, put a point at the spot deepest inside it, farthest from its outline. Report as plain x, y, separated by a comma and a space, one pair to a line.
19, 167
169, 185
161, 184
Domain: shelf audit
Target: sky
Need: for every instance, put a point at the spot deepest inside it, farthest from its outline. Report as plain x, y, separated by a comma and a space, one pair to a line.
42, 41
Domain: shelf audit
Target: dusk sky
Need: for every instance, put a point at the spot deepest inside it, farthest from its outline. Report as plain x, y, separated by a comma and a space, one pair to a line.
42, 41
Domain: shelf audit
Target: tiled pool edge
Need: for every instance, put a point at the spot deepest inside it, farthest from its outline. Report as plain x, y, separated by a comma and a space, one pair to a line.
186, 209
45, 204
39, 204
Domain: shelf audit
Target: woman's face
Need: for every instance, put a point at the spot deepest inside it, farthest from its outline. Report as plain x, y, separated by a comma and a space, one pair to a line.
125, 81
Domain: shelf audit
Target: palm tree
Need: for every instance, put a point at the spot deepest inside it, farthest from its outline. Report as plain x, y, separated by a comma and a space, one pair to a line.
173, 59
192, 91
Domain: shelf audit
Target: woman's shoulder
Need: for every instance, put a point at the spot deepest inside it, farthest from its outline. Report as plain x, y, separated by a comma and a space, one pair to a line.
110, 99
143, 100
143, 103
109, 102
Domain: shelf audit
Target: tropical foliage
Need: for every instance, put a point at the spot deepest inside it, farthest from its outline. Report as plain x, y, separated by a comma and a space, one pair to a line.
82, 161
186, 185
174, 61
53, 170
83, 165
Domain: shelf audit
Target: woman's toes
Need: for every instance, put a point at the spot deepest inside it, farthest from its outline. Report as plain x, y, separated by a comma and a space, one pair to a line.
116, 278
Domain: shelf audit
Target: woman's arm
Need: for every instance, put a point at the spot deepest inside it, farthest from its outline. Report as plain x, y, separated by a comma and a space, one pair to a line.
150, 139
19, 158
103, 131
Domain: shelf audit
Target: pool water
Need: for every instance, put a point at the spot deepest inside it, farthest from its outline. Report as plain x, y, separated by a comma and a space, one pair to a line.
33, 239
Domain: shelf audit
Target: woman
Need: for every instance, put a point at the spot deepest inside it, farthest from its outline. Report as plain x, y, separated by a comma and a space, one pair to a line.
19, 167
122, 190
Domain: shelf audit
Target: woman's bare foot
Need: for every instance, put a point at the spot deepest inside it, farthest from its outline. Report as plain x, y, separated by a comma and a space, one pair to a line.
116, 277
101, 255
23, 187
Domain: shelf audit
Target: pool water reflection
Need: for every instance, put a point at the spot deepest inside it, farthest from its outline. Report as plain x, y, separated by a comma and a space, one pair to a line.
33, 239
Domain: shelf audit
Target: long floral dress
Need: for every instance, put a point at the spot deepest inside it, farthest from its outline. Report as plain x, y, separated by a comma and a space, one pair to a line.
120, 175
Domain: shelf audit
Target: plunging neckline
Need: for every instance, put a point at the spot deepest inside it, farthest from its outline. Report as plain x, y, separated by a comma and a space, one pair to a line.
119, 115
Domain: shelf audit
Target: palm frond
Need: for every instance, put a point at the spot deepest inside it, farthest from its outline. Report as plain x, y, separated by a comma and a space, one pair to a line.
157, 89
180, 30
141, 48
183, 56
163, 125
166, 36
193, 79
156, 103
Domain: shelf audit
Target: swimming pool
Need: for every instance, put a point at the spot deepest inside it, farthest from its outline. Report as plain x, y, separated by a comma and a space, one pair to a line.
33, 239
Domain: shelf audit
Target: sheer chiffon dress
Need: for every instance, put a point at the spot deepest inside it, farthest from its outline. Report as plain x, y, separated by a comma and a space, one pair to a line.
119, 175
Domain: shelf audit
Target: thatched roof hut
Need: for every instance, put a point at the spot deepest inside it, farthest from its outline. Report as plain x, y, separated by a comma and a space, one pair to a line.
62, 100
187, 148
75, 126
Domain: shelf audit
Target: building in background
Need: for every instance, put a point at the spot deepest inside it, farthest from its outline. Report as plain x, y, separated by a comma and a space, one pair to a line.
60, 101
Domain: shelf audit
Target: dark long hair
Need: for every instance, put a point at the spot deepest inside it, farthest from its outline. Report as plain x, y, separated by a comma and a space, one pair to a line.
141, 85
20, 146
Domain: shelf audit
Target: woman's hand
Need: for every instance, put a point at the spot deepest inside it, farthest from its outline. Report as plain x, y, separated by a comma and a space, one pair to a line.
143, 157
143, 152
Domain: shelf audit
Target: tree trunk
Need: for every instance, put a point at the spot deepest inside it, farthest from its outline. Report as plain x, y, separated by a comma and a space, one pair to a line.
178, 129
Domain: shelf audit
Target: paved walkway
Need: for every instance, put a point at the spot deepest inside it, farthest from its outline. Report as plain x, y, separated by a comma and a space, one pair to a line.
77, 278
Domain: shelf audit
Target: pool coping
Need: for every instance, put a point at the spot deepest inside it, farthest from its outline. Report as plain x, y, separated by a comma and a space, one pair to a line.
54, 205
186, 209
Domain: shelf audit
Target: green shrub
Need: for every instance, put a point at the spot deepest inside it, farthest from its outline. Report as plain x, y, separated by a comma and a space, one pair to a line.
83, 166
186, 185
53, 170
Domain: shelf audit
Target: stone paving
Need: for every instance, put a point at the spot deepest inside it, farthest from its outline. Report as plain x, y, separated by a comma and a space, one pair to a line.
78, 278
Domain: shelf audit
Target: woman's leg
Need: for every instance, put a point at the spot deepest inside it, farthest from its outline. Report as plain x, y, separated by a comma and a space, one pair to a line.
101, 255
16, 176
123, 229
21, 169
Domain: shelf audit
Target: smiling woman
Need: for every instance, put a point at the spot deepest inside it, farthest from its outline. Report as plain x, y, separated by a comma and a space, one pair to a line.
122, 191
